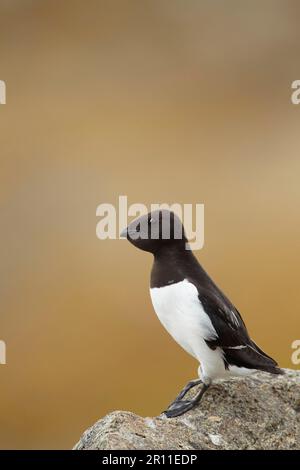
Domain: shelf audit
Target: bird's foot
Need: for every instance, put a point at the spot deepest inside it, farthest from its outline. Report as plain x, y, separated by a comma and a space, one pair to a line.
184, 391
179, 407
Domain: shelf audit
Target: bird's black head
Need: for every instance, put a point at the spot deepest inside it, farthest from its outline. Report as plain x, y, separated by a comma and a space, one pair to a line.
156, 230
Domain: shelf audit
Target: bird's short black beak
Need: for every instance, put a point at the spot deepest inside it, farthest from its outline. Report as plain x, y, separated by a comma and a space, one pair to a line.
124, 233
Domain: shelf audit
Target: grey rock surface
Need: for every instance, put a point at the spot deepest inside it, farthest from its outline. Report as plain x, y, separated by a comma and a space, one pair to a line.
257, 412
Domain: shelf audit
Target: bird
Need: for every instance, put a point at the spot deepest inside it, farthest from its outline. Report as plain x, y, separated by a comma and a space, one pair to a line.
192, 308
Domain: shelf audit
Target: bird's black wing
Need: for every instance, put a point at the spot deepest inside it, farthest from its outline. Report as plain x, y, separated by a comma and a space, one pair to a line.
226, 319
232, 335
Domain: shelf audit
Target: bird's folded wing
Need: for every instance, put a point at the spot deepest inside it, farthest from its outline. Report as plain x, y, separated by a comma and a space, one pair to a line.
226, 320
232, 334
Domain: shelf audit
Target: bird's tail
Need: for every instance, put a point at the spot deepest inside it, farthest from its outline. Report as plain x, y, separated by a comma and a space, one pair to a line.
266, 363
252, 357
277, 371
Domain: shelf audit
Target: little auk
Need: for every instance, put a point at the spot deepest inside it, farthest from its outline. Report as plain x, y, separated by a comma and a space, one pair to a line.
193, 309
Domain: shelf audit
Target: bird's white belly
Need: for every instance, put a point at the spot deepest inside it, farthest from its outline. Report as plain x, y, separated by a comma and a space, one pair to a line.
180, 311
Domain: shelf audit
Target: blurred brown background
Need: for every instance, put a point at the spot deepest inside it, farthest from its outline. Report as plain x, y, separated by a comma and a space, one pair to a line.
163, 101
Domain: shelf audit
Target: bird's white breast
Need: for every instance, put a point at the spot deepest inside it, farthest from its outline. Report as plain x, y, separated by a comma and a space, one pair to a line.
180, 311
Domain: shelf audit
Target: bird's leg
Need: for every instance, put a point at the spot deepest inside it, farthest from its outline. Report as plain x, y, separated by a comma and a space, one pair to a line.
184, 391
180, 407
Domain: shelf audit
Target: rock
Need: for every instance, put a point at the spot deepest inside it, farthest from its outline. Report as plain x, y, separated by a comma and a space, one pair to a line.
257, 412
